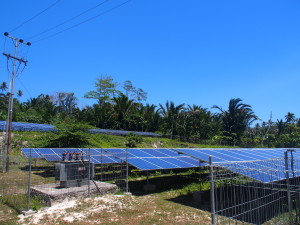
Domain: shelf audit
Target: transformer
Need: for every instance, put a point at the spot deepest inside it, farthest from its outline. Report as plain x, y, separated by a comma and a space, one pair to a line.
74, 173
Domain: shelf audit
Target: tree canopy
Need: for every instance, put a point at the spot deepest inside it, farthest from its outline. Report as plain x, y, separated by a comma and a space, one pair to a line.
123, 107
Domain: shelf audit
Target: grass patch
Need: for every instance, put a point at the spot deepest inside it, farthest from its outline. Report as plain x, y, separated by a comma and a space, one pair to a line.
41, 139
19, 202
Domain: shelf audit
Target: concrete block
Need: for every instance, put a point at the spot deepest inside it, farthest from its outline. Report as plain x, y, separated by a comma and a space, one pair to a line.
29, 212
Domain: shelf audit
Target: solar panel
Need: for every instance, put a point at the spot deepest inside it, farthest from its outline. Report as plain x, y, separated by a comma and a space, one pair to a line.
34, 153
265, 171
104, 159
19, 126
153, 159
123, 132
233, 155
266, 165
51, 154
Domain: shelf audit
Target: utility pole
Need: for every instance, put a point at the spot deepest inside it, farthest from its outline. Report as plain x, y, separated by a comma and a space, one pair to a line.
7, 140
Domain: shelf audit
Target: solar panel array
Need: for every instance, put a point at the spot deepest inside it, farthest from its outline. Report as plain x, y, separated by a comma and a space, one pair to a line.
97, 156
123, 132
155, 159
265, 165
18, 126
34, 153
144, 159
235, 155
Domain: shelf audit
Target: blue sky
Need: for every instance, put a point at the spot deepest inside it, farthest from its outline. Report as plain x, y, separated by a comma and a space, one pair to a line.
186, 51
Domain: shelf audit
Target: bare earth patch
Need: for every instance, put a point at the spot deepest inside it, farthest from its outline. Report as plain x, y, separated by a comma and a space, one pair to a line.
118, 209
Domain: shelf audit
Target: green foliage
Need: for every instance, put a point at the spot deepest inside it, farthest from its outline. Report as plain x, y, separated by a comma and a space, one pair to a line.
115, 110
105, 90
19, 202
237, 118
70, 135
157, 173
132, 140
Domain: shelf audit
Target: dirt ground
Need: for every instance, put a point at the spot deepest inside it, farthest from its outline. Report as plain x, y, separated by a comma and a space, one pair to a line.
119, 209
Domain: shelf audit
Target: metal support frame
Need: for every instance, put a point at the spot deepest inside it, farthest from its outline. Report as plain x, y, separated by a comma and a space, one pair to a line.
127, 168
29, 181
212, 192
101, 168
287, 175
89, 172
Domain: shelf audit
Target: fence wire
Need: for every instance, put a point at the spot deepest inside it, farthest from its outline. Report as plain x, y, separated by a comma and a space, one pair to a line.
31, 183
264, 192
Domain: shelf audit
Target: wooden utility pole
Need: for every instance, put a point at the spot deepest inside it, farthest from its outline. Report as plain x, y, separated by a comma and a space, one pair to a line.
7, 140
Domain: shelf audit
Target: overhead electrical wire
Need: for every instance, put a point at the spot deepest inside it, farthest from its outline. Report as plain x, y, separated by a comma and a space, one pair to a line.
85, 21
28, 92
35, 16
68, 20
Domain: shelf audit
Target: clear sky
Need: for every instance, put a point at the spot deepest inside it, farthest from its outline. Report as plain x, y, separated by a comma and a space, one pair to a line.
186, 51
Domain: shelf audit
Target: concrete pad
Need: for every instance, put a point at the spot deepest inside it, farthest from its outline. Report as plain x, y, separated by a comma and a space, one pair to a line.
28, 213
53, 192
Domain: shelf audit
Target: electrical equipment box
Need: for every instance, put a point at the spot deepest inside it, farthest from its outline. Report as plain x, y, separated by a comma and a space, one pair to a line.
74, 173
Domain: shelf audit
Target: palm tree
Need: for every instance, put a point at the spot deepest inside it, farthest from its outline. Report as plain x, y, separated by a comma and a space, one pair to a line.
121, 108
19, 93
237, 118
281, 126
170, 112
3, 86
290, 117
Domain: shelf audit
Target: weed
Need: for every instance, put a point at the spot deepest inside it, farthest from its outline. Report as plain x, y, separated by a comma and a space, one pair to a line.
19, 202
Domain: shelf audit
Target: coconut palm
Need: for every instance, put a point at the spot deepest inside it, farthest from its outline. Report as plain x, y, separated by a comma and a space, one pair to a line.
237, 118
290, 117
122, 106
3, 86
19, 93
170, 112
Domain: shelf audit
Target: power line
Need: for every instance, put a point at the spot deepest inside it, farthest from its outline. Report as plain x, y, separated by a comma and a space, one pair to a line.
68, 20
32, 18
85, 21
24, 87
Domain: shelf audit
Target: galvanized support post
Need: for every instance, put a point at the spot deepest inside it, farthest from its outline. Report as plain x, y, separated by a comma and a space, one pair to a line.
212, 192
29, 181
101, 168
89, 173
127, 167
200, 180
147, 176
287, 176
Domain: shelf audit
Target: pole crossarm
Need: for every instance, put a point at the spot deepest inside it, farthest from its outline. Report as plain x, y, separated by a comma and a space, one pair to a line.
18, 59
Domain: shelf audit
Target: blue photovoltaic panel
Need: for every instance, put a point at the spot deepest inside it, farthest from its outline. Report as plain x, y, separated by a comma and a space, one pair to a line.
18, 126
266, 165
52, 157
123, 132
98, 159
152, 159
233, 155
51, 154
34, 153
265, 171
55, 154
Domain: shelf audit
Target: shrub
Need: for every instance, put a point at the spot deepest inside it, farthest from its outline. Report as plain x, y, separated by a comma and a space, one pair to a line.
133, 139
70, 135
